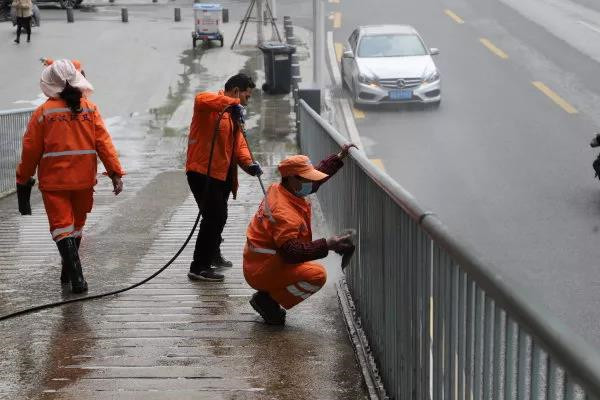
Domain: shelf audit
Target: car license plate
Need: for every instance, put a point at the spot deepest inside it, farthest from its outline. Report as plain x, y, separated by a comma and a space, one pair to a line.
402, 94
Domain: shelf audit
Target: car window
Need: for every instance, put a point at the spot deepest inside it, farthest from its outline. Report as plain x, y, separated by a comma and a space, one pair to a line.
392, 45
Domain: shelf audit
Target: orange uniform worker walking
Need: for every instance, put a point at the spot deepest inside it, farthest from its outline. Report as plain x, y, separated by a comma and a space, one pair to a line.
279, 252
212, 190
64, 137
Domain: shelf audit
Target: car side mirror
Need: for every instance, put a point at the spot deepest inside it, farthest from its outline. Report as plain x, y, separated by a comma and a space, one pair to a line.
433, 51
348, 54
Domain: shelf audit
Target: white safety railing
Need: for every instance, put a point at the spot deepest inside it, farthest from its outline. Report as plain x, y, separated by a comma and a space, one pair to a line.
441, 324
12, 128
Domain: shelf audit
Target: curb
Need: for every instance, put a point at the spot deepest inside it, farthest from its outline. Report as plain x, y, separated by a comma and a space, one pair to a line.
360, 344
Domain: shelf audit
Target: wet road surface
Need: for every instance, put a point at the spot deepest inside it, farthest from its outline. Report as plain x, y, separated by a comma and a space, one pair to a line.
170, 338
504, 162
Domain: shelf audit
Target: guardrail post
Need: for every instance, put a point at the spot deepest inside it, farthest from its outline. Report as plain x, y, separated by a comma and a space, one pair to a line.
70, 17
124, 15
177, 14
225, 16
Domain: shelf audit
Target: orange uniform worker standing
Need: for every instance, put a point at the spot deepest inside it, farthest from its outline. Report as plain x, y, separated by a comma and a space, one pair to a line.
279, 252
64, 137
212, 189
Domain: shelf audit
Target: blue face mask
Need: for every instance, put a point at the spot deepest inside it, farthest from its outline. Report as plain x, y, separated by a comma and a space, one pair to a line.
305, 189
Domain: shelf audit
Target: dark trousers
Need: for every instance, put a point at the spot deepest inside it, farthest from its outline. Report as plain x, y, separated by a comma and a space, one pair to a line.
24, 22
214, 215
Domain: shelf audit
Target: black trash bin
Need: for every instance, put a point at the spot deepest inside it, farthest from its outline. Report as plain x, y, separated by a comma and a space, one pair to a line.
278, 67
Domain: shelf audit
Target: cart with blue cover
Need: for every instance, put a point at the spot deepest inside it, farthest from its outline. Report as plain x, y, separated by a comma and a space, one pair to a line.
207, 20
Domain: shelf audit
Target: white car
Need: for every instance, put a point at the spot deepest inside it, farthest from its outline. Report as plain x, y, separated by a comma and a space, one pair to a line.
390, 64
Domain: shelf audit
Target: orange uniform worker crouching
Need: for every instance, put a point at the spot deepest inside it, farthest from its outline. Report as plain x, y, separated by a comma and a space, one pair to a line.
64, 137
279, 252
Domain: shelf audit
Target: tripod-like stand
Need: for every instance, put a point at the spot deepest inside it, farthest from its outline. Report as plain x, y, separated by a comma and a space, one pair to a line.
258, 19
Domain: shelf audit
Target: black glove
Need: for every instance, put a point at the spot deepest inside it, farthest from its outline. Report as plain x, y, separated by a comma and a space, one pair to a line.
254, 169
24, 195
237, 113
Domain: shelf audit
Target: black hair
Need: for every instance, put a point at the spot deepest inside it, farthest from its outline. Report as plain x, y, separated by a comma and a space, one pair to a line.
72, 96
240, 81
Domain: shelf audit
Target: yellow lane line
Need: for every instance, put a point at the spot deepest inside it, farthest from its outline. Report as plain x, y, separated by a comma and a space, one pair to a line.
378, 163
358, 114
491, 47
555, 97
337, 19
455, 17
339, 50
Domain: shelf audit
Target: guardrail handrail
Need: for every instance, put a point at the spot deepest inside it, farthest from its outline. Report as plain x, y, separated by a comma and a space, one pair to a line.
579, 358
17, 111
12, 127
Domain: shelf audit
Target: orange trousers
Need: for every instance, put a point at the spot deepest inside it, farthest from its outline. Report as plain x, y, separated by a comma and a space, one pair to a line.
67, 211
287, 284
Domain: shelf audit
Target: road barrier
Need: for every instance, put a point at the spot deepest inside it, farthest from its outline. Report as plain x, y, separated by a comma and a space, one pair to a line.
440, 323
12, 127
70, 16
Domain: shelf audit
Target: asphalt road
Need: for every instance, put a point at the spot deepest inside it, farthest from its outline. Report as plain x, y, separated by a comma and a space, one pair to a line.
505, 165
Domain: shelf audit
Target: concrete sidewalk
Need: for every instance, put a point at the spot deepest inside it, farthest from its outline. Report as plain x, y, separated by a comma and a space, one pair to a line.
171, 338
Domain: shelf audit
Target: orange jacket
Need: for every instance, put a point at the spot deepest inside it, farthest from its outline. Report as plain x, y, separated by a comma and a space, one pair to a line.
230, 146
280, 218
64, 147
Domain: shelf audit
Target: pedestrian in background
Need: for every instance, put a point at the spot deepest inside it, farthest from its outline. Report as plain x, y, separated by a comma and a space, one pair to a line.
64, 138
23, 11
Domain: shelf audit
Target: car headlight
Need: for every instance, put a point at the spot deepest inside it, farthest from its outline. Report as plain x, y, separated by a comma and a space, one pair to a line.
432, 77
367, 80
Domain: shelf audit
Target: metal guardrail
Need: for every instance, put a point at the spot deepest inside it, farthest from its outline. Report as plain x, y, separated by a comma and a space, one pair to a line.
12, 127
441, 324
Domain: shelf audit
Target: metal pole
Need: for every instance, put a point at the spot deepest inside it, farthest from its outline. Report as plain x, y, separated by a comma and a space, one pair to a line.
274, 33
317, 44
259, 27
70, 17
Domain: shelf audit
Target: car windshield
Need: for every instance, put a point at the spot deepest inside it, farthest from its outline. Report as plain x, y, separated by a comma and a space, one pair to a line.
393, 45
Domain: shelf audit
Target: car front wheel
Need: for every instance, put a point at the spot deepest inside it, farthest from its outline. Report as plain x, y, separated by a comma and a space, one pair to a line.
344, 84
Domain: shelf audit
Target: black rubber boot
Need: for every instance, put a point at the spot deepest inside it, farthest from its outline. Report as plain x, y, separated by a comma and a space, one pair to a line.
269, 309
68, 250
64, 273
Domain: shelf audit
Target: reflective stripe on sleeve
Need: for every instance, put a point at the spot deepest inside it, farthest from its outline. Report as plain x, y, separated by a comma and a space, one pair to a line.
60, 231
297, 292
308, 287
68, 153
261, 250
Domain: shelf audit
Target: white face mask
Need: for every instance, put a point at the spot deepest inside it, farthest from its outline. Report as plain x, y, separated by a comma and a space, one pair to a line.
305, 189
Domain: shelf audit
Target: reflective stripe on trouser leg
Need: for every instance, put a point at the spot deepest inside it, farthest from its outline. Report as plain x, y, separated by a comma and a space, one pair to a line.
61, 233
303, 281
